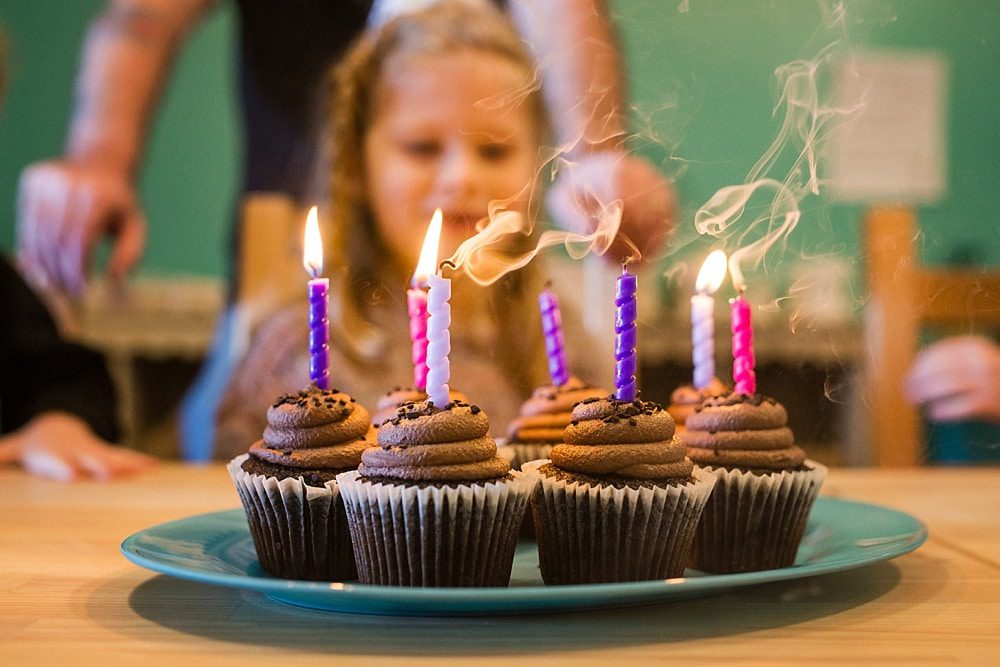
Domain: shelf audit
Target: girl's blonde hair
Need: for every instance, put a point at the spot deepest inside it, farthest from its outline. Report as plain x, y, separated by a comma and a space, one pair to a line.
354, 247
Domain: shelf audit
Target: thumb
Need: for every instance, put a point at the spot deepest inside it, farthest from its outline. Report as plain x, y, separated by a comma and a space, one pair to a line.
129, 246
10, 448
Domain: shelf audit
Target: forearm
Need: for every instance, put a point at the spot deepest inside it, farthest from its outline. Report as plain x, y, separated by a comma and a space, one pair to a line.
576, 51
128, 52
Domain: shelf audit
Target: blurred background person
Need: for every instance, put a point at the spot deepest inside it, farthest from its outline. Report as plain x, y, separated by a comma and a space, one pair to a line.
68, 205
57, 402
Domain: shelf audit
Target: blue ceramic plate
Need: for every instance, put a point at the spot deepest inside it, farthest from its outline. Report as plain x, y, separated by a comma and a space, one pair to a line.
217, 549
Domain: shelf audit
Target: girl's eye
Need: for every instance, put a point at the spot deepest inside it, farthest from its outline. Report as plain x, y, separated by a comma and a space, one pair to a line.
421, 148
494, 151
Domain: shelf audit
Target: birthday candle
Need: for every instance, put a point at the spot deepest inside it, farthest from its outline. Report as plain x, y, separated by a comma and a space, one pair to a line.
555, 346
416, 300
438, 339
710, 277
744, 378
319, 288
416, 308
625, 336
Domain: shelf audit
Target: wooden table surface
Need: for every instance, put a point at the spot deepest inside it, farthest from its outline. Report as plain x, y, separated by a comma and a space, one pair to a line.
68, 596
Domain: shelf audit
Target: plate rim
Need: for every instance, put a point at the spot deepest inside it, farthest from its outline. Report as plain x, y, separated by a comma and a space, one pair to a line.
595, 593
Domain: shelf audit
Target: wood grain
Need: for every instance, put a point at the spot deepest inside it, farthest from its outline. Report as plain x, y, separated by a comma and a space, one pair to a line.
68, 596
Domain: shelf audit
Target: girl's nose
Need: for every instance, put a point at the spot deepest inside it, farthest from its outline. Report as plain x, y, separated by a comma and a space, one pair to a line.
457, 175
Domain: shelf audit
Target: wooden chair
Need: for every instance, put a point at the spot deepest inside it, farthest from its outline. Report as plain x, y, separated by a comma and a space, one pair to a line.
269, 263
905, 296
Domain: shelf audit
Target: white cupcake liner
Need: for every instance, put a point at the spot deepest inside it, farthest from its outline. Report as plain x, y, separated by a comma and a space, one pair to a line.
598, 534
299, 531
755, 521
462, 535
519, 453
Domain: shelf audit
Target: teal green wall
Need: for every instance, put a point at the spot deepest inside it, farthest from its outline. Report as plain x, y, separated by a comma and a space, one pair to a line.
709, 71
703, 77
188, 182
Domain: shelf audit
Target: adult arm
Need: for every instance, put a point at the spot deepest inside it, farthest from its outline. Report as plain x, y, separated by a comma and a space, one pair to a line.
68, 204
574, 46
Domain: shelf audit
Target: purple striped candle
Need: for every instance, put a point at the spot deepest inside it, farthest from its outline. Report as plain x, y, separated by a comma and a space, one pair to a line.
626, 361
555, 346
319, 318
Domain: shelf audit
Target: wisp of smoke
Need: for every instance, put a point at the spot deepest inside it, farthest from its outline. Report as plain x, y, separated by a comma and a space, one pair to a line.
486, 256
806, 115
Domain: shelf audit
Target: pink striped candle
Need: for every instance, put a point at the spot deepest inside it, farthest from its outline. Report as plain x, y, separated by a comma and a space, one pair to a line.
416, 300
744, 378
416, 307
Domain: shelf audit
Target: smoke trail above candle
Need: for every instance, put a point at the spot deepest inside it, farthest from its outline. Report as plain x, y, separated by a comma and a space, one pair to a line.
751, 218
486, 256
806, 114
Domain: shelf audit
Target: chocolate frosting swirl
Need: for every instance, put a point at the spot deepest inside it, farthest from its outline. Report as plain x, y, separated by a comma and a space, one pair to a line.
686, 397
548, 412
391, 401
423, 443
739, 431
611, 437
315, 429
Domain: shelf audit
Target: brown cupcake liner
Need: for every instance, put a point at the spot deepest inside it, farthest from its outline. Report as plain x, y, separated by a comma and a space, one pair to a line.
519, 453
755, 521
464, 535
602, 534
299, 531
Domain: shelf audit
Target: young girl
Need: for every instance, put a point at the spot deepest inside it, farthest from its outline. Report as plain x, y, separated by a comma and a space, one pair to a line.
438, 108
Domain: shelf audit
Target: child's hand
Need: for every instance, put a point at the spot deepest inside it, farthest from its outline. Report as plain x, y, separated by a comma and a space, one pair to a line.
957, 378
61, 446
588, 184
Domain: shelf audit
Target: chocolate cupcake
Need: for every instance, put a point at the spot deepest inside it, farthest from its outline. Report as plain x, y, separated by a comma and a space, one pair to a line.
619, 501
433, 504
766, 487
686, 398
542, 420
288, 487
396, 397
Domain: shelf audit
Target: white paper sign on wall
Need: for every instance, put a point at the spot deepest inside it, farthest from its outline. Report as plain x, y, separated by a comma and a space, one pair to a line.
893, 148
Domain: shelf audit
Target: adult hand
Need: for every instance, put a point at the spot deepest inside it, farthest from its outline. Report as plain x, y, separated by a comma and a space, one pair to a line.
957, 378
584, 186
61, 446
64, 210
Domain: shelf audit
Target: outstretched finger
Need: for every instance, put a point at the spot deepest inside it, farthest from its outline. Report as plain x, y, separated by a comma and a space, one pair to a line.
28, 227
99, 466
10, 448
957, 407
52, 216
44, 463
72, 229
129, 245
120, 461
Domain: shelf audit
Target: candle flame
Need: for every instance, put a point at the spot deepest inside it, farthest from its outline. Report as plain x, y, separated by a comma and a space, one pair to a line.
312, 251
429, 251
712, 273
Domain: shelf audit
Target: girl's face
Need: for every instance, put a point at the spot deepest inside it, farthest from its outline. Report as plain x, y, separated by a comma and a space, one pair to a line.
439, 139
